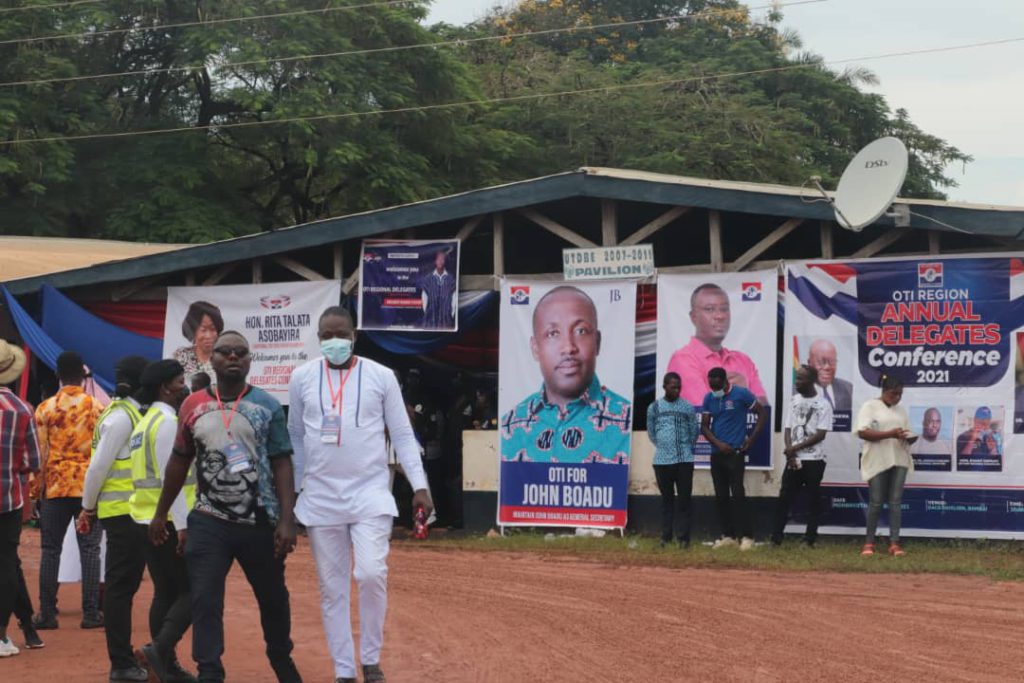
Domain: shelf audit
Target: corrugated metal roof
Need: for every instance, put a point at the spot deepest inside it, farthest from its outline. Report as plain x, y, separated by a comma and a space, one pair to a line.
22, 257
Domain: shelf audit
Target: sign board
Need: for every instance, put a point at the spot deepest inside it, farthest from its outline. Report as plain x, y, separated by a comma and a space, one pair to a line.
608, 263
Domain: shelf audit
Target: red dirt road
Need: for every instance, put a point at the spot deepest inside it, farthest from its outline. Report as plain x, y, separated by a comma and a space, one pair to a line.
482, 617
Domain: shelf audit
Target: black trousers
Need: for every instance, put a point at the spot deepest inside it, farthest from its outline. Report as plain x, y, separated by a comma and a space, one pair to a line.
14, 597
809, 476
675, 482
730, 495
170, 615
125, 564
213, 545
56, 514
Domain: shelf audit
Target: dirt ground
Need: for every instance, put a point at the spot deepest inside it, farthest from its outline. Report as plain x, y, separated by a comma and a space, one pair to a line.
479, 617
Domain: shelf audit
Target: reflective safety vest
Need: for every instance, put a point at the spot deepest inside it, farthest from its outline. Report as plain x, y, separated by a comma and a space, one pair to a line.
117, 487
146, 475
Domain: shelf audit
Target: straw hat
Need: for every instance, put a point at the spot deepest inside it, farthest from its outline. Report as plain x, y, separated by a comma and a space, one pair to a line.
12, 362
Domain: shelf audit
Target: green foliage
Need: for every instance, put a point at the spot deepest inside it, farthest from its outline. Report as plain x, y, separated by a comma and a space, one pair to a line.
229, 178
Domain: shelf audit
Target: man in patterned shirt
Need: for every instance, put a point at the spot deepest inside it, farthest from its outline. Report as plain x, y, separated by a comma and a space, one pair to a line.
572, 419
439, 294
673, 429
65, 423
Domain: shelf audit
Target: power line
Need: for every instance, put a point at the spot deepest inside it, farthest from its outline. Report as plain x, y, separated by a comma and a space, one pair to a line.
55, 6
208, 22
457, 42
513, 98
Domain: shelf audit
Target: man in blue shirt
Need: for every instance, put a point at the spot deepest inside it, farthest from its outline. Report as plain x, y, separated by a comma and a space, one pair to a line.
724, 425
672, 428
572, 419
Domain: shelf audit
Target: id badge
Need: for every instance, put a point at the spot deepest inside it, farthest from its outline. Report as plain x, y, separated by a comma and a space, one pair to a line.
238, 458
330, 429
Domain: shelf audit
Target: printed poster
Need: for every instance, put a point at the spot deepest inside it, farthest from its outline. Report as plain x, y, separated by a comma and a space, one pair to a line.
409, 285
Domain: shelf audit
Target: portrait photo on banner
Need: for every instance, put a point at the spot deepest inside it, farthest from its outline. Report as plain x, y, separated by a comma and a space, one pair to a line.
409, 285
279, 320
834, 358
565, 400
727, 320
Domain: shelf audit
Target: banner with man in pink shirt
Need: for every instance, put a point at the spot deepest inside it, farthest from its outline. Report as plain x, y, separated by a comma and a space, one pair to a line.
726, 320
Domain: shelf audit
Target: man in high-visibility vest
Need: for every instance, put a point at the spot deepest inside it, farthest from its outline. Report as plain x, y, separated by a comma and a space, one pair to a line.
108, 486
151, 443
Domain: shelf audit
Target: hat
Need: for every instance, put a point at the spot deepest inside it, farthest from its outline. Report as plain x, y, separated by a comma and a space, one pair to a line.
12, 362
983, 413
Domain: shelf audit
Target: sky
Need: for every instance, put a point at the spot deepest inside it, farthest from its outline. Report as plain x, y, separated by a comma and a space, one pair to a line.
972, 98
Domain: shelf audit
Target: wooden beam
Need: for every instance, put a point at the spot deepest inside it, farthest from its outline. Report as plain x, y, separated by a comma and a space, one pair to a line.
655, 225
715, 237
499, 244
828, 249
557, 229
890, 236
352, 280
609, 223
298, 268
478, 283
216, 276
257, 271
190, 278
769, 240
338, 273
469, 227
127, 290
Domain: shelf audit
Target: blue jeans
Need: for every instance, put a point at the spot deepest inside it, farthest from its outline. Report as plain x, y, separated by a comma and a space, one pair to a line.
886, 487
213, 545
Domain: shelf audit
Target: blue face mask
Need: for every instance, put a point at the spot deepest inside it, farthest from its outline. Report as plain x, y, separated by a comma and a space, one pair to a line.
336, 351
718, 394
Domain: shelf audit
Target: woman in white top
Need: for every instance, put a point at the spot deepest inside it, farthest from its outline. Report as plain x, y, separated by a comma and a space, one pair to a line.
884, 426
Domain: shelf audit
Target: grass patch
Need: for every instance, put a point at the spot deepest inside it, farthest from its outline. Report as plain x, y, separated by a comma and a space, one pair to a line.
999, 560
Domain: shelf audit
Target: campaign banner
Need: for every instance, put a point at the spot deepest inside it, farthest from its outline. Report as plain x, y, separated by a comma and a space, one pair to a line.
565, 396
409, 285
949, 328
279, 320
726, 320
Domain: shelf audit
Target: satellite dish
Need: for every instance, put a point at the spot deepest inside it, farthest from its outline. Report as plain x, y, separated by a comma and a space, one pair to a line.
870, 183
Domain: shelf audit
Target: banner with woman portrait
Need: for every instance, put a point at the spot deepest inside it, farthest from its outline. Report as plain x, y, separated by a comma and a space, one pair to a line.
279, 320
565, 399
726, 320
950, 329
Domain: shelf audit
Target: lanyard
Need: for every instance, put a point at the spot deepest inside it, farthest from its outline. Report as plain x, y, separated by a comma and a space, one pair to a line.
336, 397
231, 415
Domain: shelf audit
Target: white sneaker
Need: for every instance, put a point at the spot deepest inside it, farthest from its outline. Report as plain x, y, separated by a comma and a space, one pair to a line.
7, 648
724, 542
747, 543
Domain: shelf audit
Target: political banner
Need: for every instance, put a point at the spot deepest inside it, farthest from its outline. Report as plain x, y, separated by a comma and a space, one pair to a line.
726, 320
565, 396
409, 285
279, 320
949, 328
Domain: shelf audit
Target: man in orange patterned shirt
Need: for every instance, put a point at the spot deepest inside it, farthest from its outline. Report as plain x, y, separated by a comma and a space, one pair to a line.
65, 423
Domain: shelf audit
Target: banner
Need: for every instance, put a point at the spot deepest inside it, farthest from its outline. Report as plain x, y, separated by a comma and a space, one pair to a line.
726, 320
279, 320
409, 285
565, 395
950, 329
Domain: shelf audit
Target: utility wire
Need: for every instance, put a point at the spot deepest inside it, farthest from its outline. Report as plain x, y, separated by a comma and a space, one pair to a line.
458, 42
514, 98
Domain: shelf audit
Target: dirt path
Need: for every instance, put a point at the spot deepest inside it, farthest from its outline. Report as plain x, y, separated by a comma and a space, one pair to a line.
482, 617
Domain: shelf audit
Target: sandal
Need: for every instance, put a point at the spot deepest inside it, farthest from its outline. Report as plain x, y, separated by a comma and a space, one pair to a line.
868, 549
895, 550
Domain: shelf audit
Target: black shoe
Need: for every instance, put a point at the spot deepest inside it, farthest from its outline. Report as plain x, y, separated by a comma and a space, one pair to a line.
373, 674
286, 671
133, 673
346, 680
32, 639
155, 662
92, 621
177, 674
45, 623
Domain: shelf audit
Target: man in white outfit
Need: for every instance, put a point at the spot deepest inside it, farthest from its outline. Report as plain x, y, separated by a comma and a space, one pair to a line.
340, 406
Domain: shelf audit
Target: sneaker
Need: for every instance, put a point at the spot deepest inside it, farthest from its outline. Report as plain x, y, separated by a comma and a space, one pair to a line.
132, 673
724, 542
747, 543
32, 639
895, 550
7, 648
867, 550
373, 674
92, 621
45, 622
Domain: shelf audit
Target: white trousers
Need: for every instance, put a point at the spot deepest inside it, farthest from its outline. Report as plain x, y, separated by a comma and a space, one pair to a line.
333, 548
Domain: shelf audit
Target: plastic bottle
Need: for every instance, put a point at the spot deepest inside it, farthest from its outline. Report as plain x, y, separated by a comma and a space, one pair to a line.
419, 524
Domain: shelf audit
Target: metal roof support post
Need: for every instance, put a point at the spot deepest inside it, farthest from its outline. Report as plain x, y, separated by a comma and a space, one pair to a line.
715, 237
